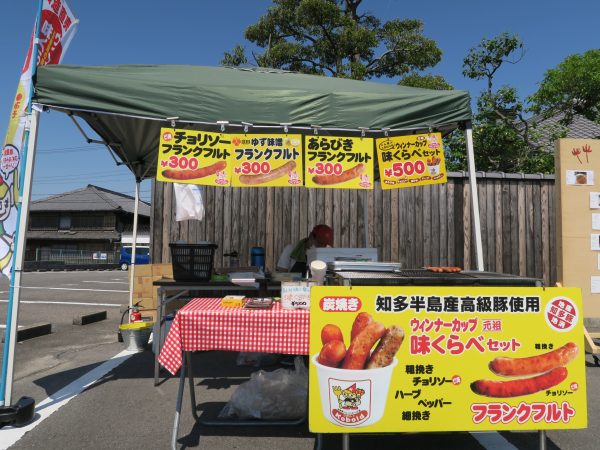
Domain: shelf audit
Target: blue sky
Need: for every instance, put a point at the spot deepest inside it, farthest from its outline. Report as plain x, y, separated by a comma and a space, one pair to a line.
197, 32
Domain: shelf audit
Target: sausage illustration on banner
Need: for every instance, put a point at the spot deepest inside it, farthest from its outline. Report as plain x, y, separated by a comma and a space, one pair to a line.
262, 178
509, 367
523, 386
201, 172
346, 175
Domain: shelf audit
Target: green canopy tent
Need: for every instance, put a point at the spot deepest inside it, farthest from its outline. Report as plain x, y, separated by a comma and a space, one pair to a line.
127, 105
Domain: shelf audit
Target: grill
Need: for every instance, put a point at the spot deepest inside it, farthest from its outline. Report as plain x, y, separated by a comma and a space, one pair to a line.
423, 277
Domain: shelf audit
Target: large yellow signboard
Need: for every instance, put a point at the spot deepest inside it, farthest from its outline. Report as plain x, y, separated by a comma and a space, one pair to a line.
414, 160
266, 160
339, 162
446, 359
194, 157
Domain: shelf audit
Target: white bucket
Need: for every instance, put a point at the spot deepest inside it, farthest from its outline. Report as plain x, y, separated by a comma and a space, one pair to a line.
353, 398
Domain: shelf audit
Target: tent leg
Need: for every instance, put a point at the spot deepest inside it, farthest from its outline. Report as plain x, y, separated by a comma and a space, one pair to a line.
12, 313
133, 244
474, 196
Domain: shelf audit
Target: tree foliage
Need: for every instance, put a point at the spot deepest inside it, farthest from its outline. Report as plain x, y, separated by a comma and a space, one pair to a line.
571, 88
428, 81
504, 139
331, 37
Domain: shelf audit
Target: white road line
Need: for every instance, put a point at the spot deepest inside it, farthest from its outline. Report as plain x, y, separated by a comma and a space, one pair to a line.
65, 303
67, 289
107, 282
493, 441
10, 435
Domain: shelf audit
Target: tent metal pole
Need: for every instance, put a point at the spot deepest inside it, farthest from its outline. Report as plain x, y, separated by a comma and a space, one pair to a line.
133, 244
474, 196
366, 215
20, 240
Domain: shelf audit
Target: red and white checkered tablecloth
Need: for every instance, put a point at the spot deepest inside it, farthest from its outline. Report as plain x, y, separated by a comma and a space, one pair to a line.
204, 325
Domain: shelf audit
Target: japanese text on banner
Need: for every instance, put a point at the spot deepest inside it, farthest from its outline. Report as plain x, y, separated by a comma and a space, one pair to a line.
194, 157
57, 28
339, 162
414, 160
266, 160
446, 359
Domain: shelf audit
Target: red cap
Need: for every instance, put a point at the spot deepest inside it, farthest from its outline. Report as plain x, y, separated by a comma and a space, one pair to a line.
323, 235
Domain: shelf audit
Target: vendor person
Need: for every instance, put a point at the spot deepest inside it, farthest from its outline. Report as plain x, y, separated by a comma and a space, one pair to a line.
293, 257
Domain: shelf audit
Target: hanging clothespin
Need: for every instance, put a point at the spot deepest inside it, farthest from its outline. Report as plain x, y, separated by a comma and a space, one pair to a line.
316, 129
386, 132
246, 125
285, 127
172, 119
222, 123
363, 131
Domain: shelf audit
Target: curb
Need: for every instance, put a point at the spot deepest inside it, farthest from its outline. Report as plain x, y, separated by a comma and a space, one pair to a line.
89, 318
32, 331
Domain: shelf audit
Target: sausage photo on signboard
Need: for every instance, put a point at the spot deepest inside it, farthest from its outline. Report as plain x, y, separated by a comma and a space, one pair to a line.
509, 367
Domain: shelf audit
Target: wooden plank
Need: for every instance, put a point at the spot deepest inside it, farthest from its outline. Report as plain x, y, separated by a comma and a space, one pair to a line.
229, 215
521, 226
168, 221
552, 239
545, 233
537, 225
377, 224
393, 236
490, 241
483, 207
271, 257
451, 223
418, 227
403, 227
427, 212
156, 224
353, 213
506, 233
467, 235
435, 229
514, 228
498, 239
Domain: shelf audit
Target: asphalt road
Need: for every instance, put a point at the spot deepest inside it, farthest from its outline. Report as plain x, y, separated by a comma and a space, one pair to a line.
123, 410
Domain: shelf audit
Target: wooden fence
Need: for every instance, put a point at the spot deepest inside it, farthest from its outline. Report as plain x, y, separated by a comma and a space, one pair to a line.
430, 225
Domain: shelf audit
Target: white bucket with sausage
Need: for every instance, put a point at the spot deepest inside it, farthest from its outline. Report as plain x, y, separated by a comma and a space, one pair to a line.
353, 398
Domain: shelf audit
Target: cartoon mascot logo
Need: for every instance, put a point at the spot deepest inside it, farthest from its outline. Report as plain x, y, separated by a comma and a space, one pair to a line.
349, 411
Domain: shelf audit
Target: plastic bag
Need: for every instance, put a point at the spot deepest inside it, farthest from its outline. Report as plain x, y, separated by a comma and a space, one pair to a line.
281, 394
188, 202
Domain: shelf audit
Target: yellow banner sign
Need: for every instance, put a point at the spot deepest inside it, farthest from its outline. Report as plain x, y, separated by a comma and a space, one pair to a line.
194, 157
446, 359
338, 162
266, 160
415, 160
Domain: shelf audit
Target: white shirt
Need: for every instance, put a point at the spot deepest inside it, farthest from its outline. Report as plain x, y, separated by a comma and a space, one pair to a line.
286, 262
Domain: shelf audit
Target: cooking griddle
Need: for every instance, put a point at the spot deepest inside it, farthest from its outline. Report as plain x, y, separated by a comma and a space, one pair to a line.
424, 277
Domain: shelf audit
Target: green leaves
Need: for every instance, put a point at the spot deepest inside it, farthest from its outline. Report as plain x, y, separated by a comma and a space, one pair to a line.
330, 37
571, 88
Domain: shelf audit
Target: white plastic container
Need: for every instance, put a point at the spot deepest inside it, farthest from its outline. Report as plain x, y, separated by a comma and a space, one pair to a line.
353, 398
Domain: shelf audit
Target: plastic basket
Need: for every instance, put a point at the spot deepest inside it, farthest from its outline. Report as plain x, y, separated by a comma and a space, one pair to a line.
192, 262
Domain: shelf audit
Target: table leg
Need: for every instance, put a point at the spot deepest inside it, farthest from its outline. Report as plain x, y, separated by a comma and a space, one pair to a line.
346, 441
188, 356
178, 404
158, 337
319, 443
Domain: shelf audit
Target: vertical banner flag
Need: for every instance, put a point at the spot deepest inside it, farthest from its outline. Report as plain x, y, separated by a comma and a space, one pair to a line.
413, 160
57, 27
194, 157
339, 162
266, 160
